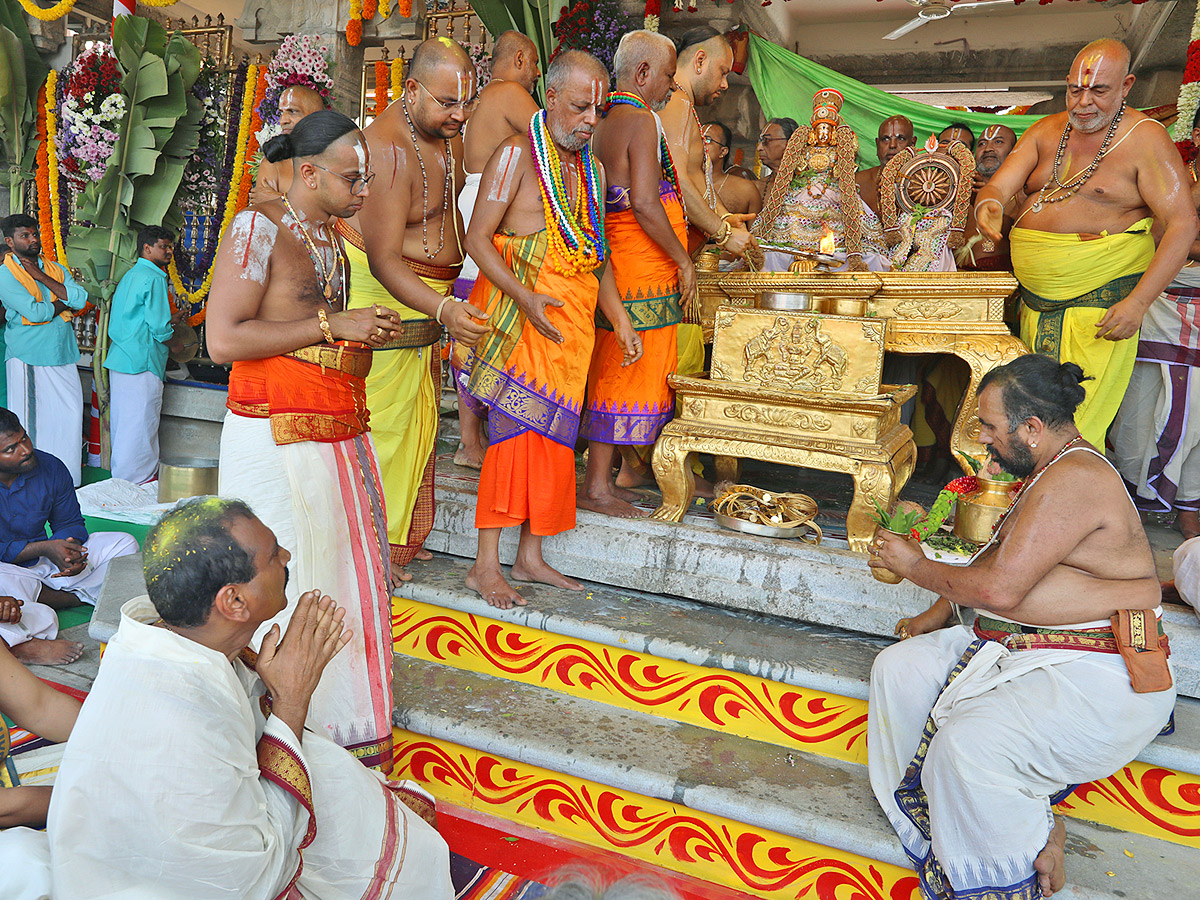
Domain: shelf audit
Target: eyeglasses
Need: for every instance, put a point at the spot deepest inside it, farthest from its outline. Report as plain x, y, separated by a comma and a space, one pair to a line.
709, 140
466, 106
766, 139
357, 185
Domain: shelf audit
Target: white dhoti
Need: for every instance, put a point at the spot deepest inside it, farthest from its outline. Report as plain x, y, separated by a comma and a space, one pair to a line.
24, 864
49, 402
1187, 572
966, 773
102, 547
38, 621
136, 407
466, 206
175, 785
325, 504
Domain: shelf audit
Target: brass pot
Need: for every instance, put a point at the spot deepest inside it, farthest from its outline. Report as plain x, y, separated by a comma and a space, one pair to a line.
887, 576
787, 300
708, 261
844, 306
978, 513
182, 477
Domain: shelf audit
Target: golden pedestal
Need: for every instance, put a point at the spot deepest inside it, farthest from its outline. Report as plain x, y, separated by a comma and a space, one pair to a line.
960, 313
797, 388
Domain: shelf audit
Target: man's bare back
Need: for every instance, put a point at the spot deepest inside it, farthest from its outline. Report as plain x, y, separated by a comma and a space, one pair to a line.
504, 111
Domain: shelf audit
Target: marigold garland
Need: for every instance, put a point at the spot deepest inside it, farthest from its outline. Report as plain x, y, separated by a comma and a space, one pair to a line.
182, 294
397, 77
381, 86
404, 8
247, 182
57, 11
354, 27
385, 9
42, 180
55, 194
159, 3
370, 7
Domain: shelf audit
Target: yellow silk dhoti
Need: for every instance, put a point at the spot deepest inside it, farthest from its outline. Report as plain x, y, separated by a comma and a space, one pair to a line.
1067, 286
402, 397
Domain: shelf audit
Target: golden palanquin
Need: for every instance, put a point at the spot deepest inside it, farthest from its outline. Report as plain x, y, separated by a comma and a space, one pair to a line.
797, 388
960, 313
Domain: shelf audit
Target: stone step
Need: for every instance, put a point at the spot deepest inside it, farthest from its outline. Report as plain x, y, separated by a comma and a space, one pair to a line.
812, 657
780, 795
698, 560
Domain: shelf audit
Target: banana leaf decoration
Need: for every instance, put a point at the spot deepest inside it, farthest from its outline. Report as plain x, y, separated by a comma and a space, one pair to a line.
21, 75
140, 187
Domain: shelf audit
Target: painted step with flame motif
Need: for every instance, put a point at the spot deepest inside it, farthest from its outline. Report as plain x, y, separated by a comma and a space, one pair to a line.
801, 687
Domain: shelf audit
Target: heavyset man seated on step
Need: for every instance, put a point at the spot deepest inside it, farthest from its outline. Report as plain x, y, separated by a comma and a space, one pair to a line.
973, 733
191, 774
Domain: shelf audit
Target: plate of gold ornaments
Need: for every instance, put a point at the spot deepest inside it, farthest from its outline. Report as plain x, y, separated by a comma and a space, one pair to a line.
742, 507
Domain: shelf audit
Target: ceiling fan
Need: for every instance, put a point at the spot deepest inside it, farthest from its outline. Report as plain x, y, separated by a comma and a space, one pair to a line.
931, 10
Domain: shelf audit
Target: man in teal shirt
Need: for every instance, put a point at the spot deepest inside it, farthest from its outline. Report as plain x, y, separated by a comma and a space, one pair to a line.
140, 324
44, 389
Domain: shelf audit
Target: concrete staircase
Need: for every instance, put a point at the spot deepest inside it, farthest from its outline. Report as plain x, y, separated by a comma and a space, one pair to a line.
726, 745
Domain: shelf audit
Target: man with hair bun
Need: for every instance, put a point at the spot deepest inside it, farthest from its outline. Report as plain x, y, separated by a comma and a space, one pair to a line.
296, 440
973, 733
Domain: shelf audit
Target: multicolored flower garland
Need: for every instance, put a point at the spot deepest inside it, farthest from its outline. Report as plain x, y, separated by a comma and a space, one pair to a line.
54, 194
579, 247
1189, 93
182, 294
354, 26
625, 98
91, 108
45, 215
933, 520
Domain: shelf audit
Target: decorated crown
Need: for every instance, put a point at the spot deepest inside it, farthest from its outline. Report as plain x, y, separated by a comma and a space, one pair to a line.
827, 105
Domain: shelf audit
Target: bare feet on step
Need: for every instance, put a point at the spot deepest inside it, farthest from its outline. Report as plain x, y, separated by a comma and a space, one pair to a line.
1187, 523
610, 505
423, 555
489, 583
1050, 863
399, 575
38, 652
470, 457
540, 571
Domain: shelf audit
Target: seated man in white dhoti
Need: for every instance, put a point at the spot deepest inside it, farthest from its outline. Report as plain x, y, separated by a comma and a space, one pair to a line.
36, 493
190, 774
140, 323
39, 298
26, 778
973, 733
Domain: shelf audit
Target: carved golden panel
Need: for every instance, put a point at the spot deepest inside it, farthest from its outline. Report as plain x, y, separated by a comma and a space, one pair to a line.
799, 352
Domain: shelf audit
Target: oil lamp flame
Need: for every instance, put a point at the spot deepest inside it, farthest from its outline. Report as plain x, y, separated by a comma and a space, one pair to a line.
828, 243
932, 144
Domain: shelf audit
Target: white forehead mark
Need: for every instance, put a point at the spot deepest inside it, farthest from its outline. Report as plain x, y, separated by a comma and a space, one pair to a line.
361, 152
462, 87
503, 178
990, 133
597, 92
251, 240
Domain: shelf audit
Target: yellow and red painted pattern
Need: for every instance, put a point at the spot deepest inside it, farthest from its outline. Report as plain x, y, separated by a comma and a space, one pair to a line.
659, 832
1143, 799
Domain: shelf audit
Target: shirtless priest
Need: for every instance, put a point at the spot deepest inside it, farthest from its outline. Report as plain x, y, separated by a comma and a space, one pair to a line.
405, 246
972, 733
295, 441
538, 236
646, 229
183, 779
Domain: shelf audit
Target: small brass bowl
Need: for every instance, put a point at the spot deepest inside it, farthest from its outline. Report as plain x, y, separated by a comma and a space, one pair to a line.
844, 306
787, 300
182, 477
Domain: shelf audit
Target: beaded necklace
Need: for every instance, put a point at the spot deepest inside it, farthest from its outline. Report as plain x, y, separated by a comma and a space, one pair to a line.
580, 245
710, 192
425, 190
319, 262
625, 98
1072, 185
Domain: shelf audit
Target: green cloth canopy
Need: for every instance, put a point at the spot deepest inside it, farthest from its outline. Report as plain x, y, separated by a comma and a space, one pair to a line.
785, 84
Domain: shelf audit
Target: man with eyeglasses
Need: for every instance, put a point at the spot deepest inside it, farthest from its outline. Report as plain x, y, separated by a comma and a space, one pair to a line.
737, 192
295, 441
405, 247
895, 134
505, 107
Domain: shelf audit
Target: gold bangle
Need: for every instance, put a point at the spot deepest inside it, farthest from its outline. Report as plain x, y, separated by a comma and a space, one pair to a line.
437, 316
723, 235
325, 329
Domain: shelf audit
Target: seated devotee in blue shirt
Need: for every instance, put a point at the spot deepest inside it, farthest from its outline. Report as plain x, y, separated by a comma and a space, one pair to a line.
36, 492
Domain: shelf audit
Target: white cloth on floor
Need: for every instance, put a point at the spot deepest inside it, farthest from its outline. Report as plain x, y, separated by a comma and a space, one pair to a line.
24, 864
1010, 731
160, 795
37, 619
466, 206
1187, 572
324, 503
122, 501
49, 402
136, 409
102, 547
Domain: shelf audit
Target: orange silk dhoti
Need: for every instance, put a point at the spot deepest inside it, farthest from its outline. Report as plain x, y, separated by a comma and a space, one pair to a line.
631, 404
533, 389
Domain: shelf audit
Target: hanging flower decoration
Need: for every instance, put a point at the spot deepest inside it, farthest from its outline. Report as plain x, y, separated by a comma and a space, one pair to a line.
397, 77
245, 91
382, 78
354, 27
302, 59
1189, 94
45, 214
204, 172
595, 26
92, 106
653, 15
481, 56
248, 172
385, 9
57, 11
370, 7
404, 8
